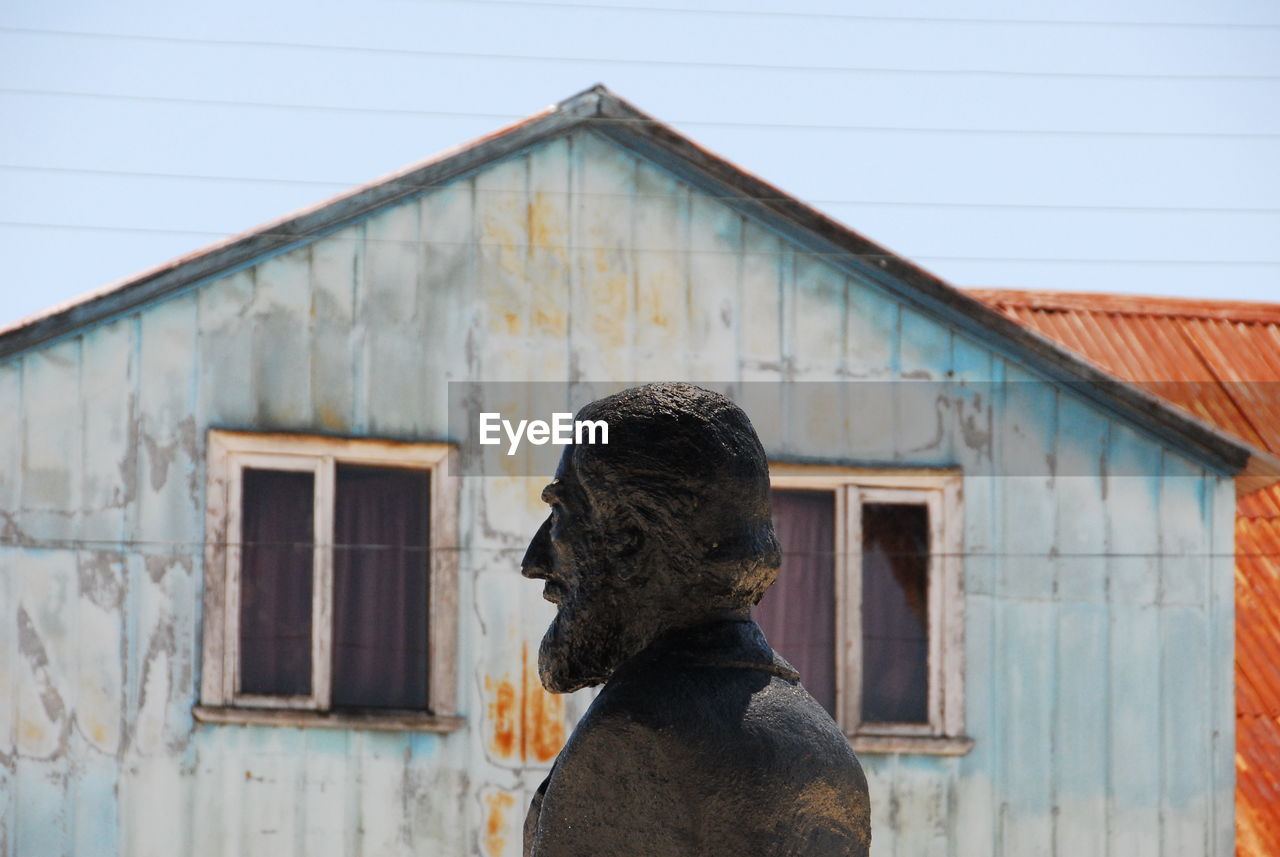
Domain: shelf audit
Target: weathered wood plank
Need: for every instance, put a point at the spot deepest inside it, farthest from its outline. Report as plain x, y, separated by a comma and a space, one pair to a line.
715, 243
1133, 517
281, 322
93, 796
99, 669
924, 363
1081, 752
503, 243
1080, 497
1026, 466
1185, 731
549, 262
1025, 659
334, 266
155, 809
390, 306
1184, 541
881, 774
872, 336
226, 386
51, 444
602, 308
664, 292
1221, 666
1135, 739
325, 794
921, 794
817, 411
109, 441
973, 820
969, 390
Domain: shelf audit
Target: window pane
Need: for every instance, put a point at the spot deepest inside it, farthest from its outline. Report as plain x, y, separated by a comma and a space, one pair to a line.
276, 582
798, 612
895, 613
380, 565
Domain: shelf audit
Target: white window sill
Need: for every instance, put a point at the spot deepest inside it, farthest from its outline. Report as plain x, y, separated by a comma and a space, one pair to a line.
391, 721
919, 745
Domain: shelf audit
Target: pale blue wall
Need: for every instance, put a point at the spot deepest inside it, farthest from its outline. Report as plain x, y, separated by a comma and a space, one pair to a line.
1099, 606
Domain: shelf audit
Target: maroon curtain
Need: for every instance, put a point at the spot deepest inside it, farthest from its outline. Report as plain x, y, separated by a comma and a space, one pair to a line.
276, 582
798, 612
895, 613
380, 570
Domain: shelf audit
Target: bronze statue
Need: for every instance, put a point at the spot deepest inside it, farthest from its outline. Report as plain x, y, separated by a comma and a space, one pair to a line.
702, 741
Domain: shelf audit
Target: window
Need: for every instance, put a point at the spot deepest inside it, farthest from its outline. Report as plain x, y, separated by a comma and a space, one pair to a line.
869, 603
330, 583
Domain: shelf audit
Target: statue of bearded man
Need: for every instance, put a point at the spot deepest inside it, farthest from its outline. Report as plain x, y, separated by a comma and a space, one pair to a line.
702, 741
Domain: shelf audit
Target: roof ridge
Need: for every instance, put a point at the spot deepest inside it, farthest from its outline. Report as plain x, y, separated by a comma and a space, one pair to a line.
1245, 312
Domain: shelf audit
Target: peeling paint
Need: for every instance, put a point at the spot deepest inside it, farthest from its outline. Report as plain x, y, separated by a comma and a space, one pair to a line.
32, 649
102, 579
129, 463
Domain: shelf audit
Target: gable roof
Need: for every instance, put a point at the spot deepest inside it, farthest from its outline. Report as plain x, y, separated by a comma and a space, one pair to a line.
607, 114
1221, 361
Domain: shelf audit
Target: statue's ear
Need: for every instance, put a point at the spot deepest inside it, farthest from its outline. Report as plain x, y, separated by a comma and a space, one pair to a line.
628, 545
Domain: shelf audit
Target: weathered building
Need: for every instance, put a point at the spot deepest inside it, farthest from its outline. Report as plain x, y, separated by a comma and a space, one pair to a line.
211, 648
1219, 360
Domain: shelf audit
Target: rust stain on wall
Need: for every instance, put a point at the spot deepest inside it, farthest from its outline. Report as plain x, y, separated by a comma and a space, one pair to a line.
496, 806
504, 715
543, 714
527, 721
547, 226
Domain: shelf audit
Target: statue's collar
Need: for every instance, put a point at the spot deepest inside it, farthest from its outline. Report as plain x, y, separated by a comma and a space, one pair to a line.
735, 643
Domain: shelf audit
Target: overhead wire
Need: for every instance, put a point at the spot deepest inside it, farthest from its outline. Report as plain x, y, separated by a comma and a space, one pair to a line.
885, 256
699, 123
646, 62
346, 183
847, 16
192, 545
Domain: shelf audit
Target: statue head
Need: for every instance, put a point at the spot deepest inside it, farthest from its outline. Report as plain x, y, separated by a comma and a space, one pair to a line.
666, 526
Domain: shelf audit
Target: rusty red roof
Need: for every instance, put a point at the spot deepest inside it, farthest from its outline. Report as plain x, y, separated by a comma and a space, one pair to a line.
1219, 360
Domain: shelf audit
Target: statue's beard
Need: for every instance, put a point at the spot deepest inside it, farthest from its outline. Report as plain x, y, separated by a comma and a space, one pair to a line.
588, 640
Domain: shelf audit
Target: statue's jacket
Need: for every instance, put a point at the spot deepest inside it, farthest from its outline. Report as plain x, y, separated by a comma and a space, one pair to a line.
704, 744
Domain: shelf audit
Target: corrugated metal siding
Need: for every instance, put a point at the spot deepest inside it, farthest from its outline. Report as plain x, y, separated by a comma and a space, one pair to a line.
1098, 621
1220, 361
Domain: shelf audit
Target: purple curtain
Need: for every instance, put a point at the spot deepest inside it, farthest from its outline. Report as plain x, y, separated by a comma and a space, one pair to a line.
895, 613
380, 571
798, 612
276, 582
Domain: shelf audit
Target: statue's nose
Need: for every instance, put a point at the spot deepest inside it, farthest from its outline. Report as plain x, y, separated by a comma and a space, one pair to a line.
537, 559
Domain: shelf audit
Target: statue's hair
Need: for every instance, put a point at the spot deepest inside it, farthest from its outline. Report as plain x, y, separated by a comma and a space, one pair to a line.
684, 466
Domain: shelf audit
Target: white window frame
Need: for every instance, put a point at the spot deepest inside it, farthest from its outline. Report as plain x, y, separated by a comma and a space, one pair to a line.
941, 492
229, 454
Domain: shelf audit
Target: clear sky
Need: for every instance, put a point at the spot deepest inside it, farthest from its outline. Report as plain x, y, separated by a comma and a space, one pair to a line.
1103, 145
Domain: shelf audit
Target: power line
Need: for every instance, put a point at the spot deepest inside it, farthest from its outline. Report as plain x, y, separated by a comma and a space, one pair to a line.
645, 63
907, 257
895, 19
704, 123
871, 203
198, 545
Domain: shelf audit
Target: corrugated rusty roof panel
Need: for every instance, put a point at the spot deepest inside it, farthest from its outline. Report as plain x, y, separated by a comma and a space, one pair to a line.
1260, 504
1219, 360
